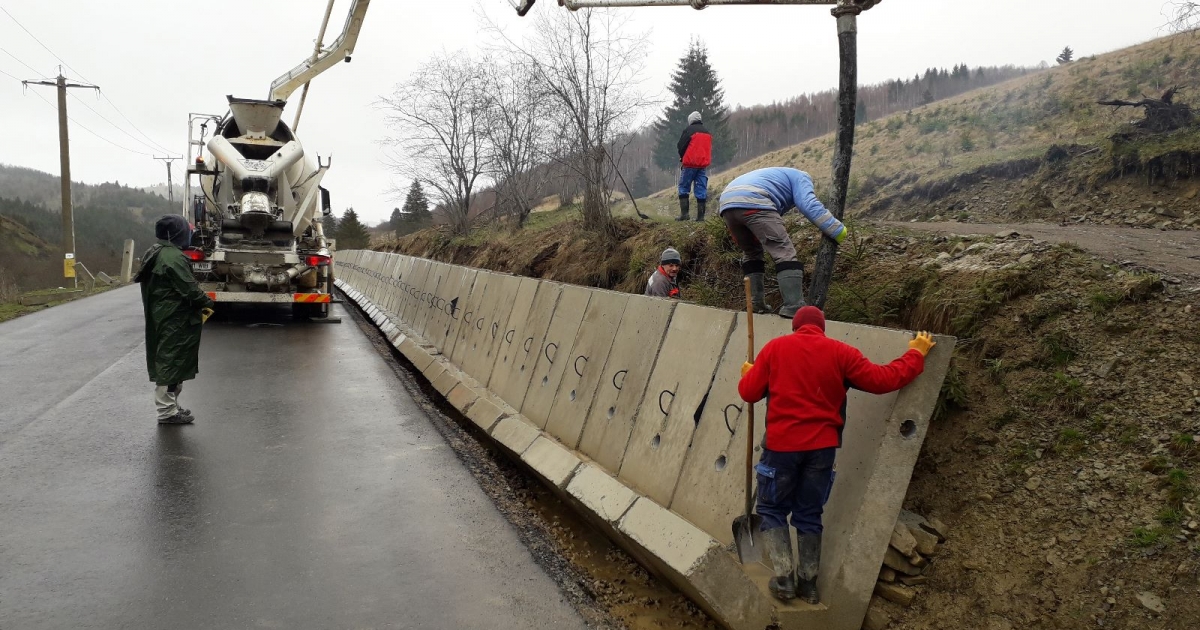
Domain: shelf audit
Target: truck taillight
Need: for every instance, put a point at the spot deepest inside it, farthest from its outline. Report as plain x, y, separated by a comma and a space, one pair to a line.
193, 254
316, 260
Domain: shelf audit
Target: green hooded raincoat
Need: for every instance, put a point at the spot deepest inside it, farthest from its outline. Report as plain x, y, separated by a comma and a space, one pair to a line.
172, 301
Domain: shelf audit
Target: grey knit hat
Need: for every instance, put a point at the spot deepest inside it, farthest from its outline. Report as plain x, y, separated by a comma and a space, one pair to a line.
693, 118
670, 255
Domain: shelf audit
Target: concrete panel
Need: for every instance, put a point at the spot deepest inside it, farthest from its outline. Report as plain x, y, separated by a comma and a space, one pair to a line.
663, 533
413, 285
434, 280
671, 408
600, 493
553, 461
585, 366
626, 373
471, 321
447, 380
446, 306
391, 296
401, 297
521, 355
511, 332
515, 434
554, 355
497, 304
710, 491
415, 354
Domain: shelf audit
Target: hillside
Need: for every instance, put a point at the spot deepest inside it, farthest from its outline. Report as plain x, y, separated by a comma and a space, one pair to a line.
1066, 446
1037, 147
105, 215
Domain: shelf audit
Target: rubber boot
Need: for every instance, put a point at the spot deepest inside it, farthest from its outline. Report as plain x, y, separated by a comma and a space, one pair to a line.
683, 209
700, 203
778, 545
810, 564
791, 289
758, 293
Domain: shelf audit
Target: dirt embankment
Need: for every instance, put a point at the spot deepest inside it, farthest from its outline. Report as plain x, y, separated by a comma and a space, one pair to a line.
1066, 446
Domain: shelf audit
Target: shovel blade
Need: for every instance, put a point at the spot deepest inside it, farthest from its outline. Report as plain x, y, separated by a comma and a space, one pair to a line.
746, 538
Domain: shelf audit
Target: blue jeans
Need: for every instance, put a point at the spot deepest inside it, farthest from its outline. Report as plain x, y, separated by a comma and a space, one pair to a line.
795, 484
698, 176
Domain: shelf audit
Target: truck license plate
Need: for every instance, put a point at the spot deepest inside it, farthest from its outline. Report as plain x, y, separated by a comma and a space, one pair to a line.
202, 266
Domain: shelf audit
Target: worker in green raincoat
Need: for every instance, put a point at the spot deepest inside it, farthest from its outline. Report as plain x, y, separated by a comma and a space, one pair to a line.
175, 310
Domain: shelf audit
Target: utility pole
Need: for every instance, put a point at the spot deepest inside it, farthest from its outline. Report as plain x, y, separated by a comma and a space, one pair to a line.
170, 184
64, 162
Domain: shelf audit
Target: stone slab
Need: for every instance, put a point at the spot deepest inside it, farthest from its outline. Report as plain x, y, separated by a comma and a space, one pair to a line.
553, 461
515, 434
601, 493
679, 385
447, 380
485, 414
462, 397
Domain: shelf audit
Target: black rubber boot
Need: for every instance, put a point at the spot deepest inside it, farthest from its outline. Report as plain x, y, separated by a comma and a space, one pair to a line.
758, 292
778, 545
791, 288
810, 564
700, 203
683, 209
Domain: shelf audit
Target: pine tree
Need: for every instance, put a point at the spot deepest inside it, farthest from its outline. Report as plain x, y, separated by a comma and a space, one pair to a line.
416, 210
696, 89
352, 234
641, 183
329, 225
396, 219
1066, 56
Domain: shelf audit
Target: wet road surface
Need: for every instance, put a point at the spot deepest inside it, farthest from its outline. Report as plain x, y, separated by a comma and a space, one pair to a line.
311, 493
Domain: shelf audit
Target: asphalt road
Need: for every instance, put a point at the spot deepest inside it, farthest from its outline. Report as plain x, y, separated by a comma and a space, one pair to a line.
312, 492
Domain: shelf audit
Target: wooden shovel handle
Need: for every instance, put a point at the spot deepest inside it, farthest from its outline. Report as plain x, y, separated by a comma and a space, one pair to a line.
749, 406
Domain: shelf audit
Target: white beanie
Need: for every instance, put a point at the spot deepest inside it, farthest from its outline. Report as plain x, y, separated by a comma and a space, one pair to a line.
693, 118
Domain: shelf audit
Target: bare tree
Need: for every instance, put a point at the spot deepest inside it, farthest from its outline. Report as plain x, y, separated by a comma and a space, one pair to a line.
440, 115
590, 70
517, 129
1184, 15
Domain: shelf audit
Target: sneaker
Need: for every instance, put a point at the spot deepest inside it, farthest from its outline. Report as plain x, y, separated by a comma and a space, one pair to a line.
178, 418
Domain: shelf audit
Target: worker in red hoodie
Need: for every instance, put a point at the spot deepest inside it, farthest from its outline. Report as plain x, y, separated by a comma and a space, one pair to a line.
695, 154
807, 376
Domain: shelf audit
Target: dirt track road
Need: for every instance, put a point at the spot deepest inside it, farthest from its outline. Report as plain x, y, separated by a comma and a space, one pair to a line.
1174, 253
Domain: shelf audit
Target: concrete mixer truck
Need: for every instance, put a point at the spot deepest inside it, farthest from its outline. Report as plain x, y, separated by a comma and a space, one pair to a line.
258, 201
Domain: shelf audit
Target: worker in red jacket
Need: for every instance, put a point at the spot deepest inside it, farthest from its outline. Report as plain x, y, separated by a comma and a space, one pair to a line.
695, 154
807, 376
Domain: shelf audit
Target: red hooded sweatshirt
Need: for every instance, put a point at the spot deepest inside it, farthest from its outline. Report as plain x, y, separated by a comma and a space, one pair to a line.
806, 376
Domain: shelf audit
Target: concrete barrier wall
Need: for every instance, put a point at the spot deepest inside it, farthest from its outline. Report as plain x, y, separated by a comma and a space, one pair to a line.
628, 406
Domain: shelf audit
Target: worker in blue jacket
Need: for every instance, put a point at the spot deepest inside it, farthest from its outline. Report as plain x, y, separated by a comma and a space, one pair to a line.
753, 206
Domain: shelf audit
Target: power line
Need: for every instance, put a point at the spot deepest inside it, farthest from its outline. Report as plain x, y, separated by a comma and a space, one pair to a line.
85, 128
60, 59
134, 138
9, 75
153, 144
35, 70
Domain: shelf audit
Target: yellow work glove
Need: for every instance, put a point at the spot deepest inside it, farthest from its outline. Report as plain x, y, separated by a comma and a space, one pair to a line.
922, 343
205, 313
746, 368
842, 237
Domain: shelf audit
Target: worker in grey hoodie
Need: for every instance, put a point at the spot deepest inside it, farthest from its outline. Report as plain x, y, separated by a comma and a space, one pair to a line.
663, 281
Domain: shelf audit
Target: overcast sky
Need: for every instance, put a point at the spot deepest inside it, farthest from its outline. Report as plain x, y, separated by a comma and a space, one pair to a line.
157, 60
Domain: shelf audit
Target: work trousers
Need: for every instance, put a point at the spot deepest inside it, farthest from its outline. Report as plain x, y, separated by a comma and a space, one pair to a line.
795, 484
696, 178
166, 400
756, 230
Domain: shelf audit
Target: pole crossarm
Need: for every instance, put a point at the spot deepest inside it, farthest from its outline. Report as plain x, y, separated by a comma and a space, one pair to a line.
855, 6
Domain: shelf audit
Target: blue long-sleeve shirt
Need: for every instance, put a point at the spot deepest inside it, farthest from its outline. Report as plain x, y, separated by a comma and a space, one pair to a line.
780, 189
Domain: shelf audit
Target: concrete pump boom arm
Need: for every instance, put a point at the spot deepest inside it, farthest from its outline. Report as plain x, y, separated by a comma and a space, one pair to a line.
341, 48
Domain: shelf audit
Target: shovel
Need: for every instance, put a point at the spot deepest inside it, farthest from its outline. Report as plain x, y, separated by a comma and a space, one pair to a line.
745, 527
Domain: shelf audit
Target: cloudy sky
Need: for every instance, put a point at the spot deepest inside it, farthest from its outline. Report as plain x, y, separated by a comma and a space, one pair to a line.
157, 60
